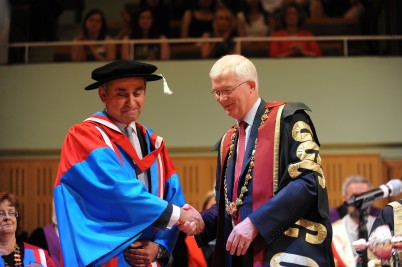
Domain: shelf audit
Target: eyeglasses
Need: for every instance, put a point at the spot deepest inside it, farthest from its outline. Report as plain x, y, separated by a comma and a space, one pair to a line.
227, 91
10, 214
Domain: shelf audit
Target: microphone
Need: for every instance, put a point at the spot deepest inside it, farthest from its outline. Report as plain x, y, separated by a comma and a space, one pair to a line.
390, 189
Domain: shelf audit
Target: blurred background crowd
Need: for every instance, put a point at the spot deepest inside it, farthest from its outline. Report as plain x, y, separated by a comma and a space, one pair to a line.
80, 20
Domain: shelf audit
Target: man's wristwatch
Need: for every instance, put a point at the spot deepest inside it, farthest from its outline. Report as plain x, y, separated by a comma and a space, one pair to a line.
161, 252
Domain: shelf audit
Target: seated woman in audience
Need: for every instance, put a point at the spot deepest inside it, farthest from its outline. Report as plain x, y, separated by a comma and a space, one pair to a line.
253, 20
14, 253
94, 28
225, 27
292, 19
143, 27
199, 20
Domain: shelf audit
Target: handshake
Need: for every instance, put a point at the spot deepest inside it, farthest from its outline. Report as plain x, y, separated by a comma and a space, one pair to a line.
190, 221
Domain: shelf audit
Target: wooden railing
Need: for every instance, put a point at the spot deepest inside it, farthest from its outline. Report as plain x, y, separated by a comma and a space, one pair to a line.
189, 48
31, 180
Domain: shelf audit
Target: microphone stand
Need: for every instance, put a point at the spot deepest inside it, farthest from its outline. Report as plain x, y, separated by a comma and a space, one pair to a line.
362, 260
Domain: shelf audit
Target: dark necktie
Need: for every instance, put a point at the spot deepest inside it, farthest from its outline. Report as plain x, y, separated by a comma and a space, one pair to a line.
241, 148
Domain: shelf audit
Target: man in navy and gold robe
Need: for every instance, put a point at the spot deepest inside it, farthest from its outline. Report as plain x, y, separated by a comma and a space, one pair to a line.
277, 215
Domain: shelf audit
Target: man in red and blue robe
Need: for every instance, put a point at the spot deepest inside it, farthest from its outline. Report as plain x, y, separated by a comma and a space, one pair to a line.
102, 207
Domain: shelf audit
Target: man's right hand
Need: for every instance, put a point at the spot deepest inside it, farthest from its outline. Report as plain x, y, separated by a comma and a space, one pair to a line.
190, 221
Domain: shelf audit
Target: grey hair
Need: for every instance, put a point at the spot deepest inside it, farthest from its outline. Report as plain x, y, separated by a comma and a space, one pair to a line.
239, 65
354, 179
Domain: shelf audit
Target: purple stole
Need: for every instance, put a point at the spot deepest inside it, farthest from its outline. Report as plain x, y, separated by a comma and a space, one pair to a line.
53, 242
265, 164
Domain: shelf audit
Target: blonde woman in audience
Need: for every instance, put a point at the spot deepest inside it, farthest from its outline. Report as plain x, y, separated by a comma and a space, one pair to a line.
94, 28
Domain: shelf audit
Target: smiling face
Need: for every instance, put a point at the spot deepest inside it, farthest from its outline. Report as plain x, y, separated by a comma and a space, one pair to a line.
124, 98
8, 224
240, 100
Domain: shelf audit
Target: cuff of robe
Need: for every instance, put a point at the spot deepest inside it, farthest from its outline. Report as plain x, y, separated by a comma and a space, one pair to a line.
175, 217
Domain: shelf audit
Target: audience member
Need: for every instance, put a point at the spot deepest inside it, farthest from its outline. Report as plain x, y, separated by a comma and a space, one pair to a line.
340, 211
346, 230
199, 20
292, 20
14, 253
253, 20
47, 237
161, 15
224, 27
143, 27
94, 28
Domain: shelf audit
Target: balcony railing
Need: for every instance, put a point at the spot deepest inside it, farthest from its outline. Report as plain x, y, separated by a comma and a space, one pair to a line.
189, 48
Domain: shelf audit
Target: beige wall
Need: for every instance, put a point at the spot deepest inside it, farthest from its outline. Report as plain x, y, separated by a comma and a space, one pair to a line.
355, 101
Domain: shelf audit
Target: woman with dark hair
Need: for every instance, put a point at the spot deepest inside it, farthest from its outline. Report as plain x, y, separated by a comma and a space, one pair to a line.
94, 28
292, 20
143, 27
15, 253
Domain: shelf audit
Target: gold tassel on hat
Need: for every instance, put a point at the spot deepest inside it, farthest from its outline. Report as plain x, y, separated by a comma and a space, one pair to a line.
166, 89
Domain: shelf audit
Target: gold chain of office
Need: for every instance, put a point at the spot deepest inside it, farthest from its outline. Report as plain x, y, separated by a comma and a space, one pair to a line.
233, 207
17, 257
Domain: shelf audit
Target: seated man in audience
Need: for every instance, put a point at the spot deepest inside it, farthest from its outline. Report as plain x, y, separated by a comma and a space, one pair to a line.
346, 230
340, 211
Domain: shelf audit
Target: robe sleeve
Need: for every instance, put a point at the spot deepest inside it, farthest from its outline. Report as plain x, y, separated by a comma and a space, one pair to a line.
299, 185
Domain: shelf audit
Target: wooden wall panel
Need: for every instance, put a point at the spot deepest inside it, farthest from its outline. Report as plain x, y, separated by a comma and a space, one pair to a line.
197, 177
338, 167
31, 180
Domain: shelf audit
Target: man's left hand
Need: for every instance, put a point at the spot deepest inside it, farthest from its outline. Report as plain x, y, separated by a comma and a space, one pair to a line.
141, 253
241, 237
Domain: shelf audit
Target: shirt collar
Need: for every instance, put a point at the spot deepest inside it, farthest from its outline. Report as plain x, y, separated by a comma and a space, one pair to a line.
122, 126
249, 118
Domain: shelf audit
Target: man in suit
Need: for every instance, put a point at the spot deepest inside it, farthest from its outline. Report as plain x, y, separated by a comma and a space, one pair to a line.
275, 210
